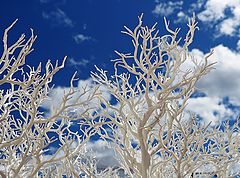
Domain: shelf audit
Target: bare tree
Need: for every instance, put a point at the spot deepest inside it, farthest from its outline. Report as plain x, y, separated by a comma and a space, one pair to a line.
147, 125
153, 135
223, 152
34, 144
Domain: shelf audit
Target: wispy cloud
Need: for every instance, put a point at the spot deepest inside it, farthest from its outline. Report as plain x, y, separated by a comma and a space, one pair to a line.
165, 9
84, 26
58, 17
181, 17
80, 38
77, 63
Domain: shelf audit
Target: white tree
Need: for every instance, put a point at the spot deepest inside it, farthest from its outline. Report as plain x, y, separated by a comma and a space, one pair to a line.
147, 126
34, 144
152, 134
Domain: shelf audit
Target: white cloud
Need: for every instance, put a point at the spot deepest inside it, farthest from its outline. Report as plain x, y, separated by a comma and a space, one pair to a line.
79, 38
181, 17
166, 9
196, 6
58, 17
209, 109
222, 15
56, 95
215, 11
228, 26
77, 63
99, 150
103, 153
223, 81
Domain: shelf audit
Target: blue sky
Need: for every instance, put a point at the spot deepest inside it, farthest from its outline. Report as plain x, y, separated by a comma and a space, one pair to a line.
86, 31
89, 31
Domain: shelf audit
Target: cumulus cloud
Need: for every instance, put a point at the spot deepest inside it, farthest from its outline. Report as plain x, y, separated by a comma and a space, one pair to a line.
226, 15
99, 150
58, 17
221, 82
104, 154
223, 16
209, 109
165, 9
56, 95
213, 10
224, 80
